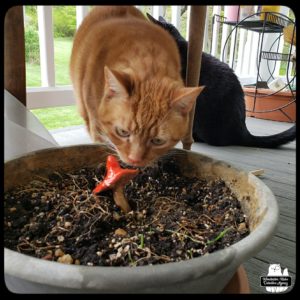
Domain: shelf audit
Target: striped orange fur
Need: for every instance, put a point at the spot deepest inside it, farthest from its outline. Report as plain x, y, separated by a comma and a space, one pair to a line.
126, 76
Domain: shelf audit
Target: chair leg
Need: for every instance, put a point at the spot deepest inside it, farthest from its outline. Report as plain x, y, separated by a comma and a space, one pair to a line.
196, 34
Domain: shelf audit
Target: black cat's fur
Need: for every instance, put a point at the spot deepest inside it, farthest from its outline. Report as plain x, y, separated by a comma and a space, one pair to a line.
220, 109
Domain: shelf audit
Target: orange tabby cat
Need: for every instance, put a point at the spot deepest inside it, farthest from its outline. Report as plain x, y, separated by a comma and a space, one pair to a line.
126, 76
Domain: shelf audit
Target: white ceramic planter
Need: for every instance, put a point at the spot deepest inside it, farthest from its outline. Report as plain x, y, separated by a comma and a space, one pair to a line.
207, 274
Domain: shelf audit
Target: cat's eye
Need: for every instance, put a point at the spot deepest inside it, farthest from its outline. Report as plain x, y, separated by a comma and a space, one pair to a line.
157, 141
122, 132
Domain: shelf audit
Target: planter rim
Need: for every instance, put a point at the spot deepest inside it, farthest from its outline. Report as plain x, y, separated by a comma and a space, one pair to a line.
269, 91
106, 278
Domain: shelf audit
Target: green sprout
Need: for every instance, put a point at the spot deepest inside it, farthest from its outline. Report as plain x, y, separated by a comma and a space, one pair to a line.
130, 257
141, 245
184, 235
219, 236
190, 253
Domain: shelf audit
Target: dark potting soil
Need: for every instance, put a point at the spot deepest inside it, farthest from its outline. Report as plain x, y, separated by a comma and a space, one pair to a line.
174, 218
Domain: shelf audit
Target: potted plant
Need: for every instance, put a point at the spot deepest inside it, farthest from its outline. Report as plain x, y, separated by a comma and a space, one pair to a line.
208, 273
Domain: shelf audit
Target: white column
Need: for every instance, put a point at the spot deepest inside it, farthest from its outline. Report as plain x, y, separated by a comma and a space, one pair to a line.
81, 12
176, 16
46, 45
157, 11
206, 43
215, 31
248, 53
224, 37
253, 54
188, 22
240, 57
265, 64
233, 44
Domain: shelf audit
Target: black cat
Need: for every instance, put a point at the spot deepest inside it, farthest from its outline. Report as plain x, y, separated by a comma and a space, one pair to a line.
220, 109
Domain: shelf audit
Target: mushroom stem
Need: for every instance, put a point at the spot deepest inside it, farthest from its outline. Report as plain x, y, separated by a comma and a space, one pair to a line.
115, 179
120, 200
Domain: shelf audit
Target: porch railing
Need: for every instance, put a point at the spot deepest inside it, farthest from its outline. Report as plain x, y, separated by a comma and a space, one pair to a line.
243, 62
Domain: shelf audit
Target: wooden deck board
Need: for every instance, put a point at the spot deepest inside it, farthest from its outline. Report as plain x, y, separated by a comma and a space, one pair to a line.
280, 251
242, 158
286, 207
280, 189
287, 228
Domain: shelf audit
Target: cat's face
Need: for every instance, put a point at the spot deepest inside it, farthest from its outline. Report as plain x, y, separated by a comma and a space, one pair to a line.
143, 122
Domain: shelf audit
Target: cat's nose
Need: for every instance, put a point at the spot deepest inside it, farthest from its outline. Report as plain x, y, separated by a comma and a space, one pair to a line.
134, 161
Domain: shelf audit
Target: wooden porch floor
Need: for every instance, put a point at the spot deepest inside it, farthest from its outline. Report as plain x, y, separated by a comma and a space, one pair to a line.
280, 176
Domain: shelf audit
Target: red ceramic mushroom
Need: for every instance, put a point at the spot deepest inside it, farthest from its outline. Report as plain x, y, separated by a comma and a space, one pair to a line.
116, 178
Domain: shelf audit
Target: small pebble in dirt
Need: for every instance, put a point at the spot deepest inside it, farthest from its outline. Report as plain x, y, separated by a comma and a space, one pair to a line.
60, 238
120, 232
66, 259
68, 224
58, 253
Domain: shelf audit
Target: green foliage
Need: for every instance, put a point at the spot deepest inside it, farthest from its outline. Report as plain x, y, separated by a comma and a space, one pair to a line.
58, 117
64, 21
31, 17
220, 235
62, 53
32, 48
33, 75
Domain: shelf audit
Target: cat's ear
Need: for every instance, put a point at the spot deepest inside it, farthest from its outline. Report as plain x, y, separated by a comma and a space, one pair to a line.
153, 20
159, 21
162, 20
184, 98
117, 84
